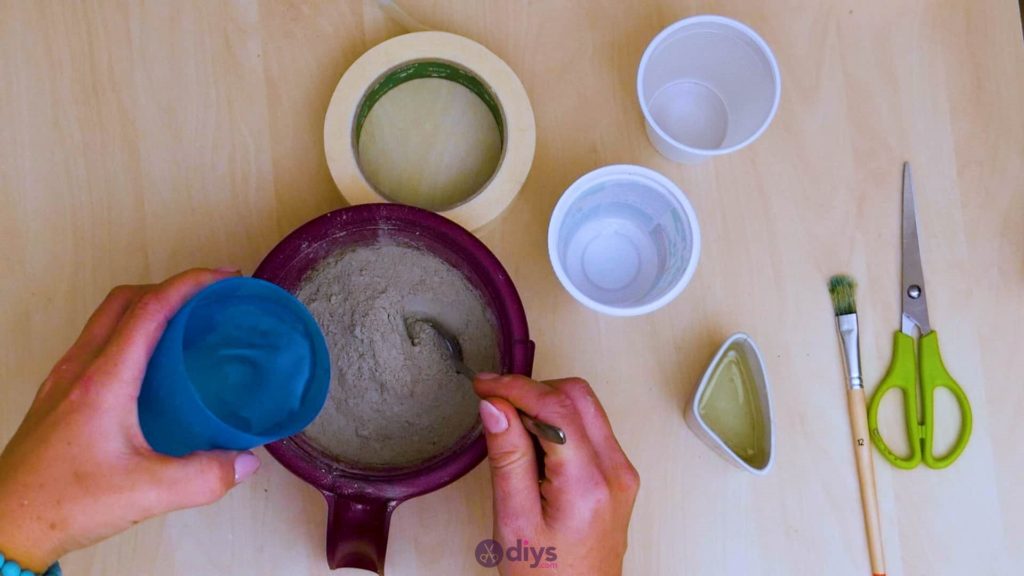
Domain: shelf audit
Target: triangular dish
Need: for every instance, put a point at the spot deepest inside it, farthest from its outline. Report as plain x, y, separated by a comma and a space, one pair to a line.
731, 410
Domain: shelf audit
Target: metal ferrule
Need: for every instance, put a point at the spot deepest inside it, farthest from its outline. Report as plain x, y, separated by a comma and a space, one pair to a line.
850, 337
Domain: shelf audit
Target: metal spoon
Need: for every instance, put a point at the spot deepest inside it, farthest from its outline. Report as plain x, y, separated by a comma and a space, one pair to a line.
537, 427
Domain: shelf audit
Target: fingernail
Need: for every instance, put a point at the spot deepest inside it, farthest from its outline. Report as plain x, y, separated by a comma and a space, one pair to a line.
228, 269
486, 375
246, 464
494, 420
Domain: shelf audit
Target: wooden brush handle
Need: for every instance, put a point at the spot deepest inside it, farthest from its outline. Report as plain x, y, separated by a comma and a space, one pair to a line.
866, 474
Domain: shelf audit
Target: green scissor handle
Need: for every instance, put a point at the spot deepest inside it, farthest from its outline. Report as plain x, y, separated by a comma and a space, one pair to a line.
934, 375
902, 375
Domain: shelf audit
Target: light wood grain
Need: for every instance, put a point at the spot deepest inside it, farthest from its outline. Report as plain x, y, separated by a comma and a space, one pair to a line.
138, 139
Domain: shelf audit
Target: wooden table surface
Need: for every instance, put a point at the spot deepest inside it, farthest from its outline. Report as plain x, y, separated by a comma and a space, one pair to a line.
138, 139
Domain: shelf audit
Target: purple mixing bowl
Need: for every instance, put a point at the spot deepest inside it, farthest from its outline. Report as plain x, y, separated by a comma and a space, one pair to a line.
360, 501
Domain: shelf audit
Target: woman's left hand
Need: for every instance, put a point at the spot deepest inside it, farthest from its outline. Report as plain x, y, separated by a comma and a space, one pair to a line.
78, 469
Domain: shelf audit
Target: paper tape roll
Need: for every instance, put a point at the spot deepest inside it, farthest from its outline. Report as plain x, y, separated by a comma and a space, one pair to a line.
432, 55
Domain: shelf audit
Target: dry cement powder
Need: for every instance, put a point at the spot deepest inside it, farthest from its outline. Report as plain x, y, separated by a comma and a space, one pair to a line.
392, 403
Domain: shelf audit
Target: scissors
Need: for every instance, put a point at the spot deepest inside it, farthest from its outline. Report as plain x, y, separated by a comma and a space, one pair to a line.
906, 371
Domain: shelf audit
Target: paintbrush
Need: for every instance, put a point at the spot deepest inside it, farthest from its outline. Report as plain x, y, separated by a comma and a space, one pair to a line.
842, 288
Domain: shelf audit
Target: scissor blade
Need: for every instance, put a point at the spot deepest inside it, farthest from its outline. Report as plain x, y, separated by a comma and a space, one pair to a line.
915, 302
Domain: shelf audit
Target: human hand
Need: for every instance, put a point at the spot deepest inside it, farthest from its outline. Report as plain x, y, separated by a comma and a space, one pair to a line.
583, 506
78, 469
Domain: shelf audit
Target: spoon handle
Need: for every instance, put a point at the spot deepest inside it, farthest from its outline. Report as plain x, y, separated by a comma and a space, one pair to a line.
538, 428
542, 429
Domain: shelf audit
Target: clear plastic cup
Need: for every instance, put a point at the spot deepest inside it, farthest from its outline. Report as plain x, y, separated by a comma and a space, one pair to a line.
624, 240
708, 85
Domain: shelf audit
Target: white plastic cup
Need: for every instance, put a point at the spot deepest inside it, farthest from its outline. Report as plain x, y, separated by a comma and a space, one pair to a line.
624, 240
708, 85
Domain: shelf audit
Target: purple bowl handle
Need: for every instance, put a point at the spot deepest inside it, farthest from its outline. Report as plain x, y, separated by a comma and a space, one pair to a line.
357, 531
522, 355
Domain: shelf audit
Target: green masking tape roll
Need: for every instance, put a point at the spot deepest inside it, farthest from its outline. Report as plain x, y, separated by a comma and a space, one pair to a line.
432, 55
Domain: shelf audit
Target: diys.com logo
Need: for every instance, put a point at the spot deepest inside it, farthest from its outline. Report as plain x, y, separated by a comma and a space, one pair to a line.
490, 553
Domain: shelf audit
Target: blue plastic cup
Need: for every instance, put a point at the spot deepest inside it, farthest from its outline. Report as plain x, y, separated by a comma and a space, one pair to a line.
243, 363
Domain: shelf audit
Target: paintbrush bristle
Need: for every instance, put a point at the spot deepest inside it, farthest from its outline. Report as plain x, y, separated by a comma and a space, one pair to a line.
841, 288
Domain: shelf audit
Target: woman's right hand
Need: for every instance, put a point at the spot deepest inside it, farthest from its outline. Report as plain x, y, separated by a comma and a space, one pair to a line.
577, 518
